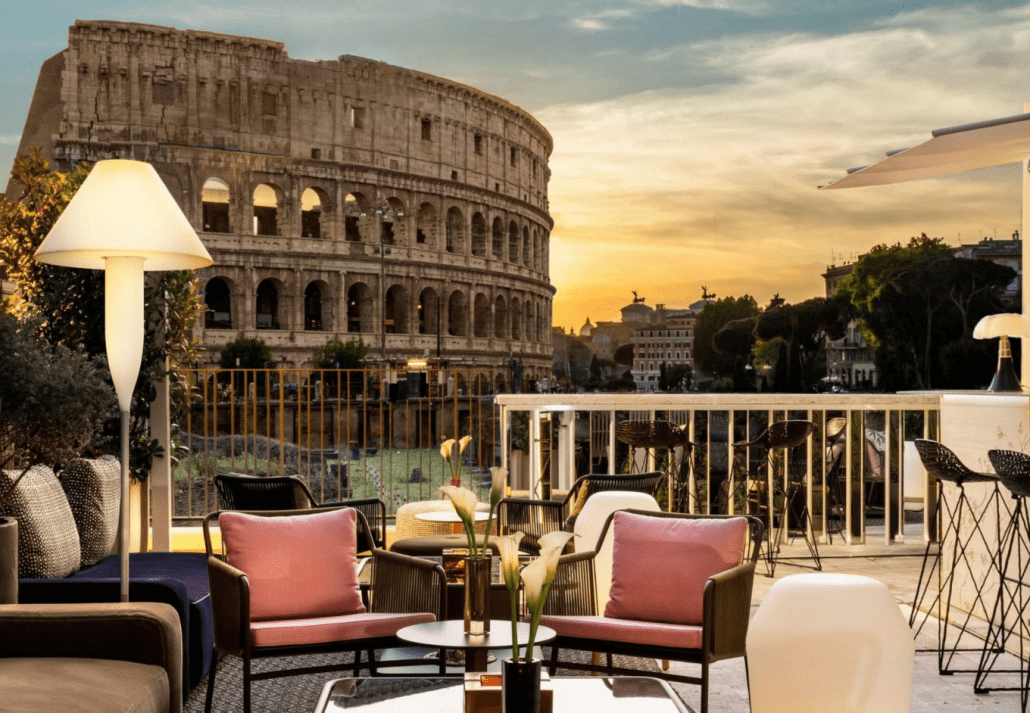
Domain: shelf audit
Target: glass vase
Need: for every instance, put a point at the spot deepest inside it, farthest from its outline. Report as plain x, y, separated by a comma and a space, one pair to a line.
520, 686
477, 595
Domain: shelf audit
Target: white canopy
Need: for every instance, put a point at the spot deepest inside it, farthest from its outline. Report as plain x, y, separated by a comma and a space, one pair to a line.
951, 150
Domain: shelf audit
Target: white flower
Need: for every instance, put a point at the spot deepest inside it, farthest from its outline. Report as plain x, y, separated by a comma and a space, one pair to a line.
463, 500
508, 546
498, 481
554, 540
464, 443
445, 448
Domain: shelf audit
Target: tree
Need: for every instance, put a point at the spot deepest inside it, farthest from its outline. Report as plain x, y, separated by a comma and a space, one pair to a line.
804, 329
677, 377
916, 306
335, 354
68, 303
54, 401
734, 341
714, 317
245, 353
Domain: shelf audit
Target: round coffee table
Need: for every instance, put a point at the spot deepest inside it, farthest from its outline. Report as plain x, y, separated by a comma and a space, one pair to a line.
451, 634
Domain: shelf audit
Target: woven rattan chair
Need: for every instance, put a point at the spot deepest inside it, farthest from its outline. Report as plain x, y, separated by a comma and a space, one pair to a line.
652, 435
535, 518
286, 492
723, 594
314, 609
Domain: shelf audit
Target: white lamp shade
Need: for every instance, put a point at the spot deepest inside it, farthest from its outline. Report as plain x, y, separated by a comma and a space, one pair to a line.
829, 642
123, 209
1002, 325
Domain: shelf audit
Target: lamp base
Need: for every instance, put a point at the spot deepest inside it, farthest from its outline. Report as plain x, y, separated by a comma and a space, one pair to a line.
1005, 378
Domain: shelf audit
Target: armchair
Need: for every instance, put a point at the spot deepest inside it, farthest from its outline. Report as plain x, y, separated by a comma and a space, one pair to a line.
535, 518
697, 611
90, 657
286, 492
289, 586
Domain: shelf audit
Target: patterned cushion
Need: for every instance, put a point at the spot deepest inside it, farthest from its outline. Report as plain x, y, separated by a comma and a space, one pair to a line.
48, 543
94, 493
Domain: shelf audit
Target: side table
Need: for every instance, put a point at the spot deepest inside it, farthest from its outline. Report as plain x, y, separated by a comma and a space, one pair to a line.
451, 634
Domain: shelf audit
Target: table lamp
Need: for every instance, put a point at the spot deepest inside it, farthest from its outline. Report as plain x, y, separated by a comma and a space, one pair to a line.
1003, 326
123, 220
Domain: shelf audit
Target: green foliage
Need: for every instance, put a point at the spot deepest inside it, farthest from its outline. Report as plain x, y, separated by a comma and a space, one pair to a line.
677, 378
53, 401
916, 307
803, 328
335, 354
714, 317
245, 353
68, 303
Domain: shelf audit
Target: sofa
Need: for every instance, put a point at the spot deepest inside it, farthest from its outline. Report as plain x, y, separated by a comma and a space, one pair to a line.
91, 658
67, 529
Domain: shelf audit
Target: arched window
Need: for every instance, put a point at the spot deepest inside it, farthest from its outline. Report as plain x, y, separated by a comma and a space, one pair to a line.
267, 306
428, 312
535, 263
353, 209
526, 259
513, 242
478, 235
215, 204
455, 231
396, 310
516, 319
457, 314
313, 318
218, 299
500, 318
266, 210
498, 239
425, 230
482, 316
310, 214
359, 308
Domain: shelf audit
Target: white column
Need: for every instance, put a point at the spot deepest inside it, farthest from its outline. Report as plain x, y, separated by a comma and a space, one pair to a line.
161, 493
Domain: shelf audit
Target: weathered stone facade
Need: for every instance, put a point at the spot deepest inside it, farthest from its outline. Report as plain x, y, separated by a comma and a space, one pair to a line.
338, 198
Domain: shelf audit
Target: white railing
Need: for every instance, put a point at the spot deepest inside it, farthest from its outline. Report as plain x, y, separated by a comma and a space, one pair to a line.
576, 433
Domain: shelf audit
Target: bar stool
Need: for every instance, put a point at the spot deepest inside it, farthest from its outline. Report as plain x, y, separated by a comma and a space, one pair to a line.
664, 434
781, 434
1013, 561
945, 467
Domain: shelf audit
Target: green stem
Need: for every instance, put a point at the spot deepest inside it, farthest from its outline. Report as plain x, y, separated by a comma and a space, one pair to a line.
486, 535
470, 536
513, 603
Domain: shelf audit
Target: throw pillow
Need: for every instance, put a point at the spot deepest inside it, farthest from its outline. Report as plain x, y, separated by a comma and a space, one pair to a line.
298, 565
94, 494
48, 543
660, 565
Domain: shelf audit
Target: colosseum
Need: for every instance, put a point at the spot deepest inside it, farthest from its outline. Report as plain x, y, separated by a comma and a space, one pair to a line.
339, 198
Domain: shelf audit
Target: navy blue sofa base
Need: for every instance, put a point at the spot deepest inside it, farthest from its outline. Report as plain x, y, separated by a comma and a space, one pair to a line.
175, 578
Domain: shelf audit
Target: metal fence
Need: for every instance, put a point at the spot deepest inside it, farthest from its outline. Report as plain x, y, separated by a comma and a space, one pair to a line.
347, 433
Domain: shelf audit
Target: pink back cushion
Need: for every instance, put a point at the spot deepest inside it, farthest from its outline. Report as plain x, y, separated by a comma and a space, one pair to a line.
660, 565
298, 566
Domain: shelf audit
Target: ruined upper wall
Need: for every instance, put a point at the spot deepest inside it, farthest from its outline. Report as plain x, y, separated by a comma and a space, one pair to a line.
145, 84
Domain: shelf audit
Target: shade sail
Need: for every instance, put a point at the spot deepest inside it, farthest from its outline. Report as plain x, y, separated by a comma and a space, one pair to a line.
952, 150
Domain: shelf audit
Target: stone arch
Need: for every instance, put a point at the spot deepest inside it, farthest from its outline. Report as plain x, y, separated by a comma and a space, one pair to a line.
218, 299
526, 259
270, 305
355, 207
457, 314
311, 202
461, 384
481, 316
478, 234
498, 239
425, 226
428, 311
265, 200
481, 383
500, 318
500, 384
395, 310
359, 308
455, 231
392, 223
215, 198
513, 242
318, 307
516, 318
536, 250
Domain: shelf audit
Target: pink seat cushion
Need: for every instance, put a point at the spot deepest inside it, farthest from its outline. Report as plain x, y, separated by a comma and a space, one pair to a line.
320, 630
645, 633
660, 565
299, 565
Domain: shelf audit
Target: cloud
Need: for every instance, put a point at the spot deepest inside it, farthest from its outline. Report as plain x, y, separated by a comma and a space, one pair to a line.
10, 139
588, 24
717, 183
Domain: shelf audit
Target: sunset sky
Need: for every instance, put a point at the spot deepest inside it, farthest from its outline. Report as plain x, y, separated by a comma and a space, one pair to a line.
690, 136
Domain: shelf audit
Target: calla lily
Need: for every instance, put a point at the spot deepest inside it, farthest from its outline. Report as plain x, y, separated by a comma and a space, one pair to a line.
538, 577
445, 449
554, 539
464, 502
508, 546
498, 481
464, 443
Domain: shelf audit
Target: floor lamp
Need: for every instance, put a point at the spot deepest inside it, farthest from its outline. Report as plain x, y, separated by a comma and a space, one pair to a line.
123, 221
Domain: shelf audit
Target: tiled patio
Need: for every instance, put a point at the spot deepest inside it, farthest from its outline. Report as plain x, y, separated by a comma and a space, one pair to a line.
898, 567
